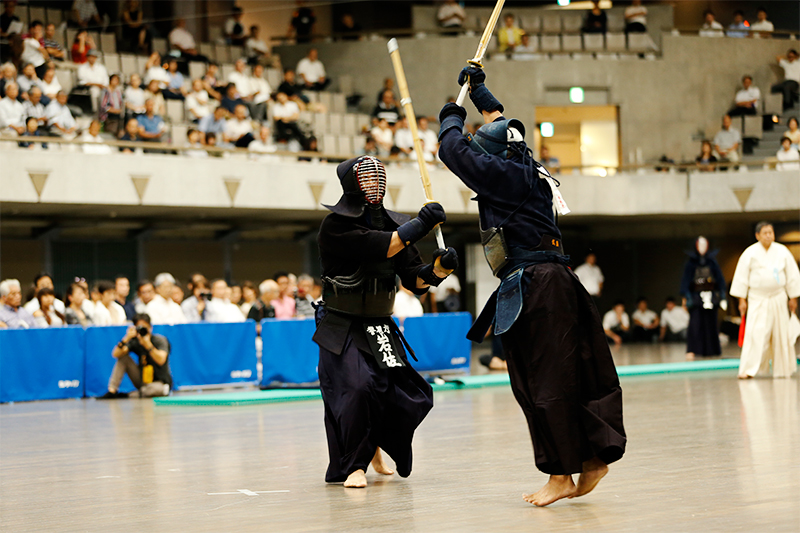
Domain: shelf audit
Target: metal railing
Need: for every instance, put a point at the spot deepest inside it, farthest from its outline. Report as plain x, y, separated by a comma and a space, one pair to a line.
768, 163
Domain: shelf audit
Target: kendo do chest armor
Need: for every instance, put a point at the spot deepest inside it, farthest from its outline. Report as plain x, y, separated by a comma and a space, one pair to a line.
369, 292
703, 280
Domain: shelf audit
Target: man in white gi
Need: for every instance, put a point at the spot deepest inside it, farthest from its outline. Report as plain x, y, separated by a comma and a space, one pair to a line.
767, 283
591, 276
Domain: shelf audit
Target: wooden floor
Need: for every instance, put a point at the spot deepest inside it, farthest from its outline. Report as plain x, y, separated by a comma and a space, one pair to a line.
706, 452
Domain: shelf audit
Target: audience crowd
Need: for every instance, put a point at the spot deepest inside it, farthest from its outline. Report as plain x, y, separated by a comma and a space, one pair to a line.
249, 104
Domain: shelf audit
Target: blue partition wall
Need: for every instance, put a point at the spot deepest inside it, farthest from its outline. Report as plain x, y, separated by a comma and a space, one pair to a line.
41, 364
100, 342
440, 341
289, 355
209, 354
201, 354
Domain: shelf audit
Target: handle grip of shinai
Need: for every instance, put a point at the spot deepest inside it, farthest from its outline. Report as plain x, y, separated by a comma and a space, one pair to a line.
405, 101
482, 45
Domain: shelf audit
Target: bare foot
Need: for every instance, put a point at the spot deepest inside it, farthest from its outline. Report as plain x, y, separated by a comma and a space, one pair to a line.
745, 376
593, 471
379, 466
356, 480
556, 488
689, 356
497, 364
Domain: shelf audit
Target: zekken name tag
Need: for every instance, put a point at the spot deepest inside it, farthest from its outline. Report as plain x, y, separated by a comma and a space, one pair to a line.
380, 339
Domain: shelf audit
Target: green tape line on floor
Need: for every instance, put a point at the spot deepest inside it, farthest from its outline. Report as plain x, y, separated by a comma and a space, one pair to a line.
465, 382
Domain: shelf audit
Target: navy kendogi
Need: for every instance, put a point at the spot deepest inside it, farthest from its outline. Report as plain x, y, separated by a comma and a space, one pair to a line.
373, 397
703, 285
560, 366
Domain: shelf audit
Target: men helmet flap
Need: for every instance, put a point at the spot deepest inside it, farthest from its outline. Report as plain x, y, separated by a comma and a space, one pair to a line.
494, 138
370, 175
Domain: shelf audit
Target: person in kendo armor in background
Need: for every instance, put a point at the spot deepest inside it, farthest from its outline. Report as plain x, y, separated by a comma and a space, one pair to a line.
703, 285
373, 398
560, 366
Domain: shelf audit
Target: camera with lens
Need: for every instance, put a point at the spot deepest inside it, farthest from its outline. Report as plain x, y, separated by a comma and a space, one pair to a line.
142, 331
206, 296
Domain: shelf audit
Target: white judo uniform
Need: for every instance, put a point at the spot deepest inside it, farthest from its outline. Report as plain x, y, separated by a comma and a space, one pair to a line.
767, 278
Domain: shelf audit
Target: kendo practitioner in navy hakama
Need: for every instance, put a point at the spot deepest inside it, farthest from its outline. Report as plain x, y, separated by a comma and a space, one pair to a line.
704, 288
373, 398
560, 366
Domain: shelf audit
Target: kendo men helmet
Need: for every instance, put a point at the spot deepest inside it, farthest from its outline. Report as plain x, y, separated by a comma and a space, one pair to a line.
496, 137
365, 177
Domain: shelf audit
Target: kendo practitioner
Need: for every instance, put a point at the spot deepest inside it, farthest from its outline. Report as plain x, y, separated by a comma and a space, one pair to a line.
703, 286
373, 398
560, 366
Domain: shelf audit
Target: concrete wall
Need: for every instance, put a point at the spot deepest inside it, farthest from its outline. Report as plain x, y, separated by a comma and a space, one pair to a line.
290, 188
663, 102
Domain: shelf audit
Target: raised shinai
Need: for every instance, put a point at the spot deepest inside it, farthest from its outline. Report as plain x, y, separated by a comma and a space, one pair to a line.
373, 398
560, 366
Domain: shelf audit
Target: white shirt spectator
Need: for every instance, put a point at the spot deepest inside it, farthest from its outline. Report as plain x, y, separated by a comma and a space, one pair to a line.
219, 310
610, 320
286, 110
112, 315
646, 317
451, 15
260, 86
791, 69
158, 73
676, 320
636, 14
789, 159
197, 104
383, 137
12, 113
242, 82
180, 37
429, 142
314, 71
32, 52
94, 144
50, 89
33, 306
235, 128
451, 282
59, 114
135, 97
762, 25
25, 84
31, 110
748, 95
254, 47
93, 74
164, 311
714, 29
403, 139
590, 277
406, 305
726, 139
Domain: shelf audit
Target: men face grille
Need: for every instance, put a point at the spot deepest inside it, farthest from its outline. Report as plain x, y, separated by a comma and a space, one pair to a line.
371, 178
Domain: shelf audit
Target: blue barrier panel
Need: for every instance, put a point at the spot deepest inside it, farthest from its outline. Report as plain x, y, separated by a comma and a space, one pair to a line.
100, 342
440, 341
41, 364
210, 354
289, 355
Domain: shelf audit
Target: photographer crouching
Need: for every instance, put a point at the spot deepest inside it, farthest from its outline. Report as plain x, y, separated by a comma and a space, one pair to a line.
151, 375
